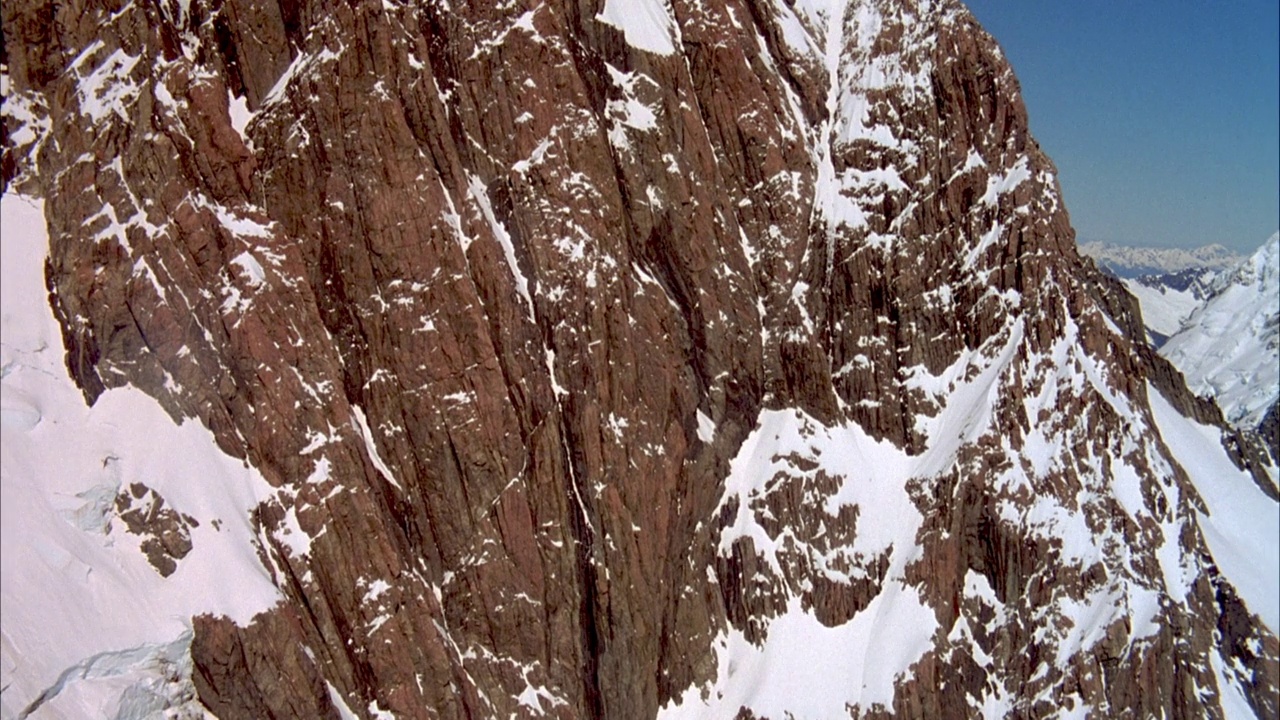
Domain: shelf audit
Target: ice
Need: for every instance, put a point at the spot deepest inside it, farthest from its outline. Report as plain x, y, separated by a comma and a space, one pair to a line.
647, 24
136, 683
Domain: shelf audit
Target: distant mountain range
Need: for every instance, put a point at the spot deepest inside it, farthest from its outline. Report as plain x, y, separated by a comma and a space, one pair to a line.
1131, 262
1216, 319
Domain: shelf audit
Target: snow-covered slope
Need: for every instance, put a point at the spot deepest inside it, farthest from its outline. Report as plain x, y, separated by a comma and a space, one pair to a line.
1165, 307
1129, 262
1230, 347
1169, 283
91, 630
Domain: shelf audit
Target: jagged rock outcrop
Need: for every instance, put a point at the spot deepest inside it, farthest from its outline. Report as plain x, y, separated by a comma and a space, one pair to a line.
581, 355
167, 534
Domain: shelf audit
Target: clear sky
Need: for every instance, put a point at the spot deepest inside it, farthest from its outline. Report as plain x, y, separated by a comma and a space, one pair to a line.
1163, 117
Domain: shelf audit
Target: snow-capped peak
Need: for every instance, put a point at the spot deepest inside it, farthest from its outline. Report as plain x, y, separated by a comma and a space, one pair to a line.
1230, 347
1129, 262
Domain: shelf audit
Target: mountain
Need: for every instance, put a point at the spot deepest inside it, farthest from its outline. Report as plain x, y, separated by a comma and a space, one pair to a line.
1230, 347
1169, 283
728, 358
1131, 262
1168, 300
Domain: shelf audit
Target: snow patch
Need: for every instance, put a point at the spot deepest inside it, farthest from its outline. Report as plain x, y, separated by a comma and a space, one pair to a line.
335, 697
238, 107
108, 89
706, 428
250, 268
371, 446
480, 193
1001, 183
647, 24
805, 669
630, 112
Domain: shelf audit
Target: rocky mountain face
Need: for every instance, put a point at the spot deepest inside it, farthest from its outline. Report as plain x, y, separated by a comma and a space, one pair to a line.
720, 358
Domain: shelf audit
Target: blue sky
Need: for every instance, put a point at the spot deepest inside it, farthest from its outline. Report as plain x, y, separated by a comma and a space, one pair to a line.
1162, 117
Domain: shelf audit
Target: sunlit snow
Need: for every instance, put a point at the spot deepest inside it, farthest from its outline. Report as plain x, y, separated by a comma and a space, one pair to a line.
1242, 525
647, 24
76, 591
1230, 347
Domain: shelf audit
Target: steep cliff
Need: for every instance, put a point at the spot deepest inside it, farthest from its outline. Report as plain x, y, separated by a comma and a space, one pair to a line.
615, 360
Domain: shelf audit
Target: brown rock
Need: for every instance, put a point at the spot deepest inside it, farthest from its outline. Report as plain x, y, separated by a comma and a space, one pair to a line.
492, 299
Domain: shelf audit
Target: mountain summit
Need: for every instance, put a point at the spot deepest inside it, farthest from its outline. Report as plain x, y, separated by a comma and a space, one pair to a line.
667, 358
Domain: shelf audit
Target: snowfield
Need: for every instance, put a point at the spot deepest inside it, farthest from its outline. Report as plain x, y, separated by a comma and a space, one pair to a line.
1164, 309
90, 628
